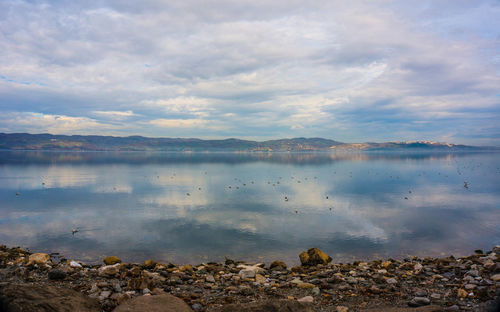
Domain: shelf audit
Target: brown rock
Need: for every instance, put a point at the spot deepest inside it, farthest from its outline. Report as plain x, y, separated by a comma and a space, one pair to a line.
268, 306
38, 258
314, 256
149, 264
160, 303
111, 260
278, 265
29, 298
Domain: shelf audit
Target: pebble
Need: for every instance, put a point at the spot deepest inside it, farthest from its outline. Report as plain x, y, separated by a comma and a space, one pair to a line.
306, 299
210, 278
496, 278
391, 281
75, 264
435, 296
342, 309
419, 301
246, 273
196, 307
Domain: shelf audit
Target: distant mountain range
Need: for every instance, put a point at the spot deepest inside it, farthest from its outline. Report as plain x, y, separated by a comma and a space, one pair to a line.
25, 141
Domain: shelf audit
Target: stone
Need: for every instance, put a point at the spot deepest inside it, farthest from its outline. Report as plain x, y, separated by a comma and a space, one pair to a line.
246, 273
470, 286
461, 293
29, 298
104, 294
419, 301
160, 303
109, 270
56, 274
38, 258
260, 279
314, 256
111, 260
197, 307
342, 309
210, 278
391, 281
149, 264
306, 285
435, 296
278, 265
186, 268
495, 278
315, 291
306, 299
275, 305
75, 264
418, 268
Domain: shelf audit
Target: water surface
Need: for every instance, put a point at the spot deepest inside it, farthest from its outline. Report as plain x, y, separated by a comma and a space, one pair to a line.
190, 207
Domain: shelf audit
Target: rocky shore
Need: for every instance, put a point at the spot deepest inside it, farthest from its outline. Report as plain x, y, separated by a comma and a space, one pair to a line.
38, 282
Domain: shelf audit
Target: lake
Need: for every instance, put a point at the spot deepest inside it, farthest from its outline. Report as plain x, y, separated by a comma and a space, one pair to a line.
200, 207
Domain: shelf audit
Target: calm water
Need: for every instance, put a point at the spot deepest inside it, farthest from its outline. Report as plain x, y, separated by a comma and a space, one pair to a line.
353, 206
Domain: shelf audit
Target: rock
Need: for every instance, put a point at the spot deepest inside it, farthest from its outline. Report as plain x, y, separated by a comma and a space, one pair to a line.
419, 301
496, 249
315, 291
138, 283
149, 264
29, 298
435, 296
306, 285
461, 293
111, 260
56, 274
197, 307
104, 294
160, 303
391, 281
75, 264
278, 265
268, 306
496, 278
246, 273
38, 258
314, 256
306, 299
470, 286
210, 278
186, 268
109, 270
341, 309
260, 279
418, 268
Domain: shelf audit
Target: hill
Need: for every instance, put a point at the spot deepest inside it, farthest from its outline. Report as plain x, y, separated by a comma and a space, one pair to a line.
25, 141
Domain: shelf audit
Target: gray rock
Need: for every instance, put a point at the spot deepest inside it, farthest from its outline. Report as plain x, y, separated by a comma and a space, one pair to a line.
391, 281
56, 274
210, 278
435, 296
29, 298
197, 307
419, 301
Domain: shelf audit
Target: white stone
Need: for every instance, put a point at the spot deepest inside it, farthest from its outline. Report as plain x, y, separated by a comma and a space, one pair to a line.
75, 264
306, 299
247, 273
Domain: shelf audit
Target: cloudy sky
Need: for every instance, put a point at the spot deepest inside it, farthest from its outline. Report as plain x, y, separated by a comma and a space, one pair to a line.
364, 71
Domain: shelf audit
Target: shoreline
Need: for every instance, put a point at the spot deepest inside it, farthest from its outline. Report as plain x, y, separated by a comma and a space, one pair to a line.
470, 283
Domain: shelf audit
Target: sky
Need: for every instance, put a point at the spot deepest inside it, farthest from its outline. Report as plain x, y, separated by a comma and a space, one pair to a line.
352, 71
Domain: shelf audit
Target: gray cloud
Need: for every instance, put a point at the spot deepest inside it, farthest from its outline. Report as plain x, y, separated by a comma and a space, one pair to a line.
260, 70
